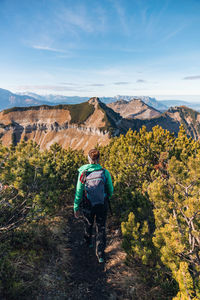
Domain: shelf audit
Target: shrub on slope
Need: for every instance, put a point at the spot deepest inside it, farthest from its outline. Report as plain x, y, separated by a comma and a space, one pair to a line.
152, 173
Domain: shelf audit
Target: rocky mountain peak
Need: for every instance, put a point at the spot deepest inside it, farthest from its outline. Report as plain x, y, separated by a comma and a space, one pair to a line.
94, 101
134, 109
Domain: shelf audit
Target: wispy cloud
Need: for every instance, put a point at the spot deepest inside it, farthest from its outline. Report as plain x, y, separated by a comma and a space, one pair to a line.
68, 83
96, 84
140, 81
47, 48
76, 18
173, 33
65, 27
151, 20
121, 83
192, 77
81, 18
121, 13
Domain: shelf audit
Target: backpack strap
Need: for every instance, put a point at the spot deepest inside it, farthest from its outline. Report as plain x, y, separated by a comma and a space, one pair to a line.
86, 173
83, 177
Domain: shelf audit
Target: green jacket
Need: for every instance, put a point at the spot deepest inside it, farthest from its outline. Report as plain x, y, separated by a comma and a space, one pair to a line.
80, 186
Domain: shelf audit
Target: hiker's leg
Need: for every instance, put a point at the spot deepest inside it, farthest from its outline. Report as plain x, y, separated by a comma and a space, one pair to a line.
88, 225
101, 214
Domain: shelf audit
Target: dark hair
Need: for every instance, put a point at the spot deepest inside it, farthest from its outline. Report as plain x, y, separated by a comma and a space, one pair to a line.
94, 154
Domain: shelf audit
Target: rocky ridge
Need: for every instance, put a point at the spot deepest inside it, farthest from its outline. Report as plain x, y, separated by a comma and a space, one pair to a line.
77, 126
82, 126
134, 109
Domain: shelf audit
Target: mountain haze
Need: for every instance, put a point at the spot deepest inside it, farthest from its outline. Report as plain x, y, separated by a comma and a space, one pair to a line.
172, 103
9, 99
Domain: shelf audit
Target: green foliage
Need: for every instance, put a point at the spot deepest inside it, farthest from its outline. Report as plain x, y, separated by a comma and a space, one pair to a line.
80, 112
156, 180
21, 255
38, 185
38, 107
136, 240
177, 217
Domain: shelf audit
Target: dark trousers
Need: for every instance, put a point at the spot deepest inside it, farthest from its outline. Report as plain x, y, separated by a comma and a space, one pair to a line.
100, 212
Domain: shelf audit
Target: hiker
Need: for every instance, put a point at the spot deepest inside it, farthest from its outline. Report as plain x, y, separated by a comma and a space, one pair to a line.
93, 191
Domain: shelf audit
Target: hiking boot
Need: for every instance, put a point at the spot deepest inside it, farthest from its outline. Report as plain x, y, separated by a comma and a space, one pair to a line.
101, 260
100, 257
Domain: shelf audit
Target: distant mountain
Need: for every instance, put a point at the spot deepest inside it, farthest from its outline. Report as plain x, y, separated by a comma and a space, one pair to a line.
8, 100
146, 99
134, 109
84, 125
57, 98
171, 103
76, 99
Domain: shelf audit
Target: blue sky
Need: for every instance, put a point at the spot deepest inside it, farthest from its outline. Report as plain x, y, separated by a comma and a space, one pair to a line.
101, 48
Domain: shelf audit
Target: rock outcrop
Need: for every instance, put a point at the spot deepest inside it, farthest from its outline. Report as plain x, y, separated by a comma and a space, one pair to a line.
134, 109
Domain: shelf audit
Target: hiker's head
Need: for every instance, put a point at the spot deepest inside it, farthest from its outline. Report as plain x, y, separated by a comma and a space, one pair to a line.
93, 156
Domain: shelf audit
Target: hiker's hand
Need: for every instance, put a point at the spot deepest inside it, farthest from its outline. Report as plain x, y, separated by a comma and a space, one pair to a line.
77, 214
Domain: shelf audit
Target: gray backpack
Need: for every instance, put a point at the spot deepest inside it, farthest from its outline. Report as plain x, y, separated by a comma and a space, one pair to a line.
94, 186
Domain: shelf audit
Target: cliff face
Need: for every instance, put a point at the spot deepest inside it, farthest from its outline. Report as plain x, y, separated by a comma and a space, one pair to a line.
188, 117
47, 125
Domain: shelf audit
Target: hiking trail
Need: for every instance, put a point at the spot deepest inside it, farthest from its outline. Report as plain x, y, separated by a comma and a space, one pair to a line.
74, 273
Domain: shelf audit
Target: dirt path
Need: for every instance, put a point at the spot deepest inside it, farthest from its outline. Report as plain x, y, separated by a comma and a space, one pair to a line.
91, 280
74, 272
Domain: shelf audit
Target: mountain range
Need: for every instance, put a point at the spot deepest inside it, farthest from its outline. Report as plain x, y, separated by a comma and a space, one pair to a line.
9, 99
84, 125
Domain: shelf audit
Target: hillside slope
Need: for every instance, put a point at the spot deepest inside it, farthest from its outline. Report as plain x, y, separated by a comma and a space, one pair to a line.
134, 109
78, 126
174, 117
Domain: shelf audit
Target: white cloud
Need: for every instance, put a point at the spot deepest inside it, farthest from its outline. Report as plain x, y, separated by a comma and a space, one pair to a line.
47, 48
